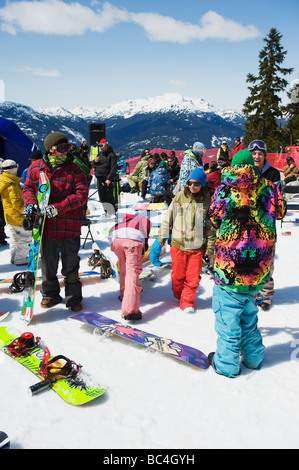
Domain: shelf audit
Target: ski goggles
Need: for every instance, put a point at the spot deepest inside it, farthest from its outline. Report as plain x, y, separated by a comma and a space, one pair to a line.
199, 150
63, 148
260, 144
10, 167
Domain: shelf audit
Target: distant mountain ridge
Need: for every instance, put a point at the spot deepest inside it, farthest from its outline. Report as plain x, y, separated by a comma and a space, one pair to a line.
168, 121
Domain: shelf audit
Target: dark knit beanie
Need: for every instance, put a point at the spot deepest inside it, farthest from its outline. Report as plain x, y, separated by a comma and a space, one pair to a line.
37, 155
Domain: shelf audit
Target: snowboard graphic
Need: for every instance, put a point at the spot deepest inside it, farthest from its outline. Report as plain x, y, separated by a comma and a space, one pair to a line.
43, 196
76, 389
153, 233
179, 351
150, 206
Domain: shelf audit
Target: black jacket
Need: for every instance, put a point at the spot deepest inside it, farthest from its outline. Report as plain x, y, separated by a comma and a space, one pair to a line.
106, 167
174, 170
270, 173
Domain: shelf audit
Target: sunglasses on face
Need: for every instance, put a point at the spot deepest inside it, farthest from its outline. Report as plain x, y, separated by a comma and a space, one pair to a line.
194, 183
170, 161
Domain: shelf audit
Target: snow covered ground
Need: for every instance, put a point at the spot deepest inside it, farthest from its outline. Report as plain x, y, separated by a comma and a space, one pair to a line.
153, 401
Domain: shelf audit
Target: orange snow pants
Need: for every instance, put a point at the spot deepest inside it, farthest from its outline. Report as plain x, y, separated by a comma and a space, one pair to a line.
185, 275
129, 253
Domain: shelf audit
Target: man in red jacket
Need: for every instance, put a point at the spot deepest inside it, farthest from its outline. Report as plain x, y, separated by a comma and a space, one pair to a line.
238, 146
64, 216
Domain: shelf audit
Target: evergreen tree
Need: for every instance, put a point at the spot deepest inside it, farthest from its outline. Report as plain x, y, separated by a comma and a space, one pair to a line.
263, 106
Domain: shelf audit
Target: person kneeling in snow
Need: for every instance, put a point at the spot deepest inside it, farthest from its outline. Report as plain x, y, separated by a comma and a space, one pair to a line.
244, 210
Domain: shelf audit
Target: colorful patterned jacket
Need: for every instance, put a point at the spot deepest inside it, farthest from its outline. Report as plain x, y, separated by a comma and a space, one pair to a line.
158, 181
189, 163
244, 209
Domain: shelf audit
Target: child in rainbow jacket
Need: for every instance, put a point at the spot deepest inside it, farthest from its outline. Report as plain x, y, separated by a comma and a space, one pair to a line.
244, 210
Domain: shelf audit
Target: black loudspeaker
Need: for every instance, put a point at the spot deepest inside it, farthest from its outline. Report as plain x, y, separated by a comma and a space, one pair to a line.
97, 131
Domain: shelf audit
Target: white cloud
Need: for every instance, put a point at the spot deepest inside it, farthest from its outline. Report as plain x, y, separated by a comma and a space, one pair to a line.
70, 19
212, 26
57, 17
216, 27
163, 28
40, 71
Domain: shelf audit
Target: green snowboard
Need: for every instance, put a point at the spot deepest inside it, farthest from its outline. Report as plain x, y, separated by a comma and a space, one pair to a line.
75, 390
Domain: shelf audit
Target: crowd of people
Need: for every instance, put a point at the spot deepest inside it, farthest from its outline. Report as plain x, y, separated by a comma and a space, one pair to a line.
212, 209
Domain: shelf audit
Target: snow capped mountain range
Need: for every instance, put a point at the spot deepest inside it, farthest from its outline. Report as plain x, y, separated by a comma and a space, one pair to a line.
169, 102
167, 121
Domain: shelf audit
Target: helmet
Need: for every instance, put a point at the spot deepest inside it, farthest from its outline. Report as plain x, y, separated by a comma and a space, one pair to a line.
10, 167
258, 145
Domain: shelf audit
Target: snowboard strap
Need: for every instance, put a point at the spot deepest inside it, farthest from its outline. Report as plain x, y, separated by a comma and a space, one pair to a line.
22, 280
53, 369
20, 346
97, 259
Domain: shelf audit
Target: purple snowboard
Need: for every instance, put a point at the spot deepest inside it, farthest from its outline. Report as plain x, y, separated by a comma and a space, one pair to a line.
180, 351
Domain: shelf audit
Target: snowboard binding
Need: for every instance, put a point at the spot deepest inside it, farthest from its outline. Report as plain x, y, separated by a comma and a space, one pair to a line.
53, 369
32, 220
97, 259
22, 280
259, 298
24, 343
58, 367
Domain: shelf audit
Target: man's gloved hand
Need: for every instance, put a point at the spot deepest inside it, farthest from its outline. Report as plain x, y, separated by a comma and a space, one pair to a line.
51, 211
30, 209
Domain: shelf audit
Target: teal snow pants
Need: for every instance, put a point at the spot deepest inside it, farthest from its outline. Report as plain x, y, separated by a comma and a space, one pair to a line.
238, 335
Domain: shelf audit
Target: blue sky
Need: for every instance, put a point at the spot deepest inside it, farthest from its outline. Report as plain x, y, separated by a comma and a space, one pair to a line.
94, 53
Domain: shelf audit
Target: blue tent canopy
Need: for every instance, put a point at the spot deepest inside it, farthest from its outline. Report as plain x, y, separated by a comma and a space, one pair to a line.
15, 145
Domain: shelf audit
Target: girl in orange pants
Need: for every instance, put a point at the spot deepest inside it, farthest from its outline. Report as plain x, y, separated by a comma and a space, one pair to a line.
185, 275
191, 237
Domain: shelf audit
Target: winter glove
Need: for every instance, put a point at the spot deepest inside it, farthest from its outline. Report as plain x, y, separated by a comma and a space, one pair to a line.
29, 209
155, 252
51, 211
